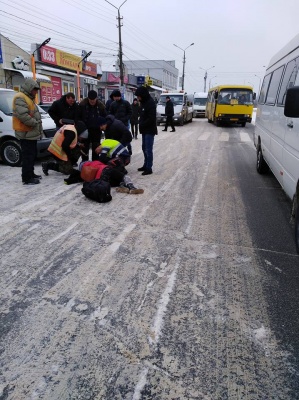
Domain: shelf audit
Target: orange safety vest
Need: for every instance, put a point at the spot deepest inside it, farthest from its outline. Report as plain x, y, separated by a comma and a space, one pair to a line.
55, 146
16, 123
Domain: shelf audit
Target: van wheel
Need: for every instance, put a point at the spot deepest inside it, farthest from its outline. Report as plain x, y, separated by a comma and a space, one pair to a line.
261, 165
158, 123
297, 229
11, 153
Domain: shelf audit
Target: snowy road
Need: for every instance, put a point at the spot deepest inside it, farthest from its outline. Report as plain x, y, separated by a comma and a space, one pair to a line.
153, 296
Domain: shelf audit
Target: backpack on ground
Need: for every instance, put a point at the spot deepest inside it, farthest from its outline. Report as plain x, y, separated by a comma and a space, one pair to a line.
97, 190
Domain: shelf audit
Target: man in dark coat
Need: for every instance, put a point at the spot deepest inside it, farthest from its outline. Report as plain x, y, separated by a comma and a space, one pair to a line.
64, 108
89, 110
115, 129
122, 111
147, 127
135, 118
169, 112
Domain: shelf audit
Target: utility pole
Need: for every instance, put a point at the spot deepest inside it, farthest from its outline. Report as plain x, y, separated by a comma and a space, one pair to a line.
184, 62
120, 52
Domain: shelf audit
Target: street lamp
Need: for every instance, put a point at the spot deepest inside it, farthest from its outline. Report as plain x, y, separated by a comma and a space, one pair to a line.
206, 75
184, 62
78, 73
121, 69
210, 81
33, 60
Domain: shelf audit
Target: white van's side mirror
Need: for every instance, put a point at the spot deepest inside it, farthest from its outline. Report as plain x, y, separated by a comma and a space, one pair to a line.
291, 108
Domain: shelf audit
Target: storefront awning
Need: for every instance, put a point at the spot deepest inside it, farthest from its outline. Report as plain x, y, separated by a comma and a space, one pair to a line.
156, 88
29, 74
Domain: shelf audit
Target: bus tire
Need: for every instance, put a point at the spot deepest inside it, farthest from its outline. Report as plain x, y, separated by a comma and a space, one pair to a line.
261, 165
243, 124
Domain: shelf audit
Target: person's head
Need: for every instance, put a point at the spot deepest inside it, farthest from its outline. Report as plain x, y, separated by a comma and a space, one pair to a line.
142, 93
116, 95
70, 98
135, 101
92, 97
102, 123
30, 86
167, 98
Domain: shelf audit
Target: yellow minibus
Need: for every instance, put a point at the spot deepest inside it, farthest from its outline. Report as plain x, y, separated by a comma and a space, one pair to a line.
230, 104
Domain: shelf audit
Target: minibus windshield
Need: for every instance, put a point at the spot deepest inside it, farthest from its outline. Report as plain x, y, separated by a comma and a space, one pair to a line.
235, 96
200, 101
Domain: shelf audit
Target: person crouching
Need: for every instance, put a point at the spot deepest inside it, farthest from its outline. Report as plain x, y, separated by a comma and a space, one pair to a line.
65, 148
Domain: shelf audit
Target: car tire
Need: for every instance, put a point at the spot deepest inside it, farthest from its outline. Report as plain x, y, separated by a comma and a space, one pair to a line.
261, 165
11, 153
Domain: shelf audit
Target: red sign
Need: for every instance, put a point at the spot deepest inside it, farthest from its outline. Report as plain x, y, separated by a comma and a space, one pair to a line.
50, 55
51, 92
115, 78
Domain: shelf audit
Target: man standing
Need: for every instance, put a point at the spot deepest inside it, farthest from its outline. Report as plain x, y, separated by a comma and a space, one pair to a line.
147, 127
169, 112
64, 108
90, 109
135, 118
27, 124
122, 111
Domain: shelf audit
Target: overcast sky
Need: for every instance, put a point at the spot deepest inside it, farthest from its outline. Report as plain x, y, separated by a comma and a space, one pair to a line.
237, 37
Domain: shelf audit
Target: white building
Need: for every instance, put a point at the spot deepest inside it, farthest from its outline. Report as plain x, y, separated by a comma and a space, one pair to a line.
164, 71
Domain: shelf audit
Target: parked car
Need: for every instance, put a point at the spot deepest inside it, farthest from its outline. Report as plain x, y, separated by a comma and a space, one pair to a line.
10, 149
45, 107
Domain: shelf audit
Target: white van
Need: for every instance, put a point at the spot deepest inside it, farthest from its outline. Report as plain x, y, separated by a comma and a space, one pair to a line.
276, 135
199, 104
10, 149
182, 104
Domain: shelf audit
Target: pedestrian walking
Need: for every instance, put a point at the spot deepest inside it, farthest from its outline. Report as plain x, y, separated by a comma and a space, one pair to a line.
89, 110
135, 118
169, 112
64, 108
147, 128
27, 124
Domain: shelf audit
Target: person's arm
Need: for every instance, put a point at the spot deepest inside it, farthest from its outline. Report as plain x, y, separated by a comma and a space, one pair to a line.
129, 110
54, 113
126, 136
22, 112
69, 136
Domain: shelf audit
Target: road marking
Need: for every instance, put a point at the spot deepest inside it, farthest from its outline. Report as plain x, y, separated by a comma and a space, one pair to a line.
245, 137
205, 136
224, 137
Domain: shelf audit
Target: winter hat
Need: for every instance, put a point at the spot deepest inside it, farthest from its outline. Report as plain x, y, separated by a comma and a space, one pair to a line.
142, 92
167, 97
116, 93
101, 121
92, 95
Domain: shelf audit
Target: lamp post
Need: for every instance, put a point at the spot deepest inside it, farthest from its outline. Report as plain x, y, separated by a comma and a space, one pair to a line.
121, 69
78, 73
33, 60
210, 81
206, 75
184, 62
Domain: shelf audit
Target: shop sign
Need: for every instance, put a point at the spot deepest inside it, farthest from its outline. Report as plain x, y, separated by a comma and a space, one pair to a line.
51, 91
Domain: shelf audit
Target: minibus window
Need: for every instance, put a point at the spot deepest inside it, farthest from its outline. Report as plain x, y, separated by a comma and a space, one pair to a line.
288, 80
264, 89
274, 84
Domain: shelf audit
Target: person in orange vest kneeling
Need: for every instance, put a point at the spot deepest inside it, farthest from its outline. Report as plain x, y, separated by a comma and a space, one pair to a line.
66, 148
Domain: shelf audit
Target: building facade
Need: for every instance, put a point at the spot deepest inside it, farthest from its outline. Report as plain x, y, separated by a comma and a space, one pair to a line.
164, 71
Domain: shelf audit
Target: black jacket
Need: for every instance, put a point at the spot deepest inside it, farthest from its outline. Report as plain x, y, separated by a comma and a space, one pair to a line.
122, 110
169, 112
135, 113
117, 130
148, 115
60, 109
89, 114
